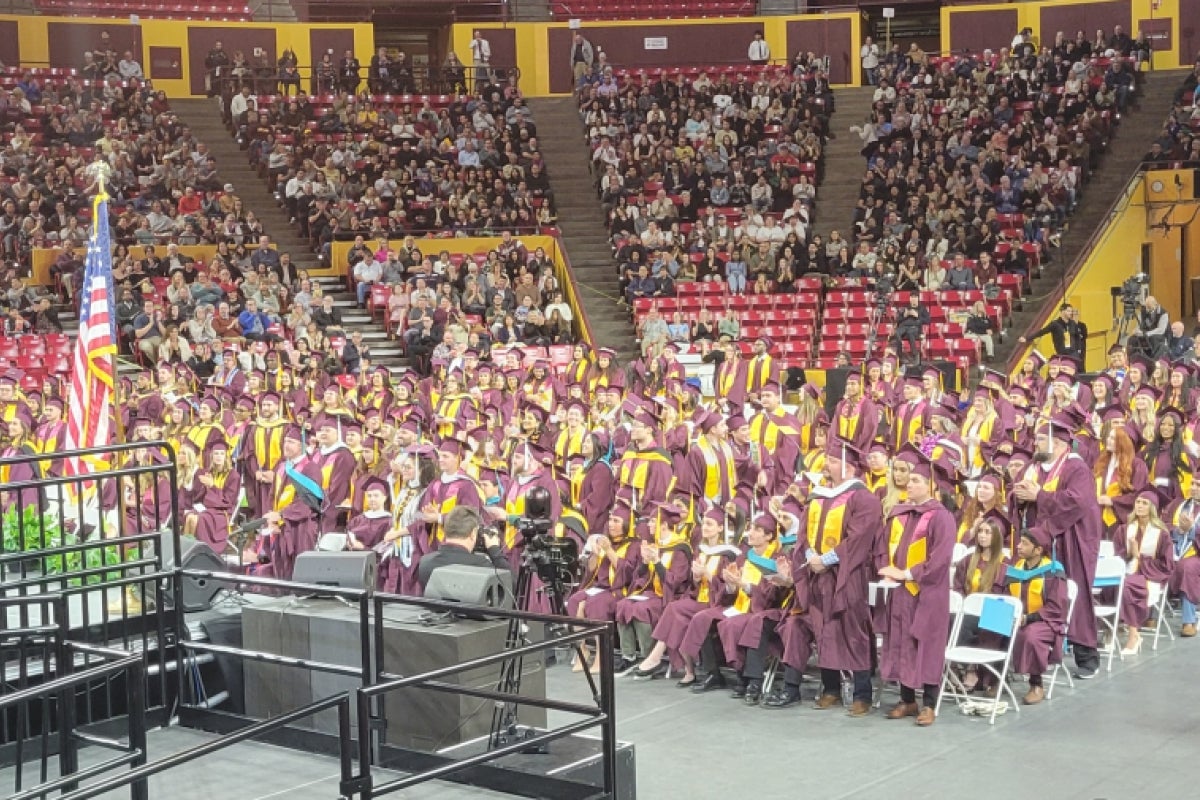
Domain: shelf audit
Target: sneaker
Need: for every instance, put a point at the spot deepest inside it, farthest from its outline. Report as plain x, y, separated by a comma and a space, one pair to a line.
1084, 674
624, 666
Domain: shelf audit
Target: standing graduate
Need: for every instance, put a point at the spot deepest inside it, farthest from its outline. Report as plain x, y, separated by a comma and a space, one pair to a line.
645, 469
293, 520
336, 464
915, 553
831, 568
453, 487
1059, 492
219, 486
263, 450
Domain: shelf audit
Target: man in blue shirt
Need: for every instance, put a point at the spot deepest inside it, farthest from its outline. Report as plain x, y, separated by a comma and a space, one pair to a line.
255, 323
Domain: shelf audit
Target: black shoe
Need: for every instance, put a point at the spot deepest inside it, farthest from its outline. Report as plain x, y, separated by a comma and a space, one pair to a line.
1085, 674
684, 683
714, 680
739, 691
623, 666
658, 672
782, 698
753, 694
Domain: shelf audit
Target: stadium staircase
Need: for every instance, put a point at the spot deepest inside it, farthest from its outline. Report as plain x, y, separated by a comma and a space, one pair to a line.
584, 234
844, 163
204, 119
1138, 129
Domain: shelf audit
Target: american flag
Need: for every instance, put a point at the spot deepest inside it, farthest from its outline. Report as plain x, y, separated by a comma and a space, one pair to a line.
93, 372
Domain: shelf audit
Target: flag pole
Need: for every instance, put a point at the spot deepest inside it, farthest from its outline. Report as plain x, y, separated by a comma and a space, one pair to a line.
117, 403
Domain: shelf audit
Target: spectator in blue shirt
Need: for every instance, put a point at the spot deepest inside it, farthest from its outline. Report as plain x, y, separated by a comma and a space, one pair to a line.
255, 323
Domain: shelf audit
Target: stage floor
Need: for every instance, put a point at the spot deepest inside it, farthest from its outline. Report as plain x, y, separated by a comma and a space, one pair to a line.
1128, 734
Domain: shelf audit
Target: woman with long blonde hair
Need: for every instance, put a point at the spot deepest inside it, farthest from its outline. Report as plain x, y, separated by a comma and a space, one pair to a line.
978, 429
1146, 546
897, 487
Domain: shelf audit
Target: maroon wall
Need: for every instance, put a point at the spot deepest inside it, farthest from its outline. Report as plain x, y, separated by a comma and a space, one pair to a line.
10, 44
1188, 34
166, 63
1086, 17
503, 42
824, 37
976, 31
69, 41
201, 40
686, 44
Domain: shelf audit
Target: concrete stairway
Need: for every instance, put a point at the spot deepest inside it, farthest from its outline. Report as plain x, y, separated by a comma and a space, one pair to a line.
585, 237
1137, 130
204, 118
844, 164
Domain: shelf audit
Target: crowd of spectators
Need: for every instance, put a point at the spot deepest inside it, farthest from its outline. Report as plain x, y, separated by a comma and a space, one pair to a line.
1178, 142
708, 176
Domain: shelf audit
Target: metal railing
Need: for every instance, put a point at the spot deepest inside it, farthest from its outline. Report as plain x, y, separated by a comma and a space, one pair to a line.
316, 80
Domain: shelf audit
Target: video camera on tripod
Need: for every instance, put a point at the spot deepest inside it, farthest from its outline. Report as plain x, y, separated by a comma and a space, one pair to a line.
1132, 292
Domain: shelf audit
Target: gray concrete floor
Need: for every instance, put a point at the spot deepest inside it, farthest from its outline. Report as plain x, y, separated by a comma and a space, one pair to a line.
1127, 734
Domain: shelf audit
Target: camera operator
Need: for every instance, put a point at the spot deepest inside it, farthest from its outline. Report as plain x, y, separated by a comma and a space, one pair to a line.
462, 532
1067, 332
1152, 323
910, 327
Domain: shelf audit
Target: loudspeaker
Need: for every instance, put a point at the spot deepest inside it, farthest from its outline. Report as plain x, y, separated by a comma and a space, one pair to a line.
198, 593
477, 586
348, 570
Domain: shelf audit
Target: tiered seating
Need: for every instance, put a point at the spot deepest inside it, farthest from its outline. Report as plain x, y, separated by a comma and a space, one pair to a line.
652, 9
38, 356
222, 11
811, 327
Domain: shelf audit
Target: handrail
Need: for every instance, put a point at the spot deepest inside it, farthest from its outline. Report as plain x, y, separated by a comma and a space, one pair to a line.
1099, 235
574, 294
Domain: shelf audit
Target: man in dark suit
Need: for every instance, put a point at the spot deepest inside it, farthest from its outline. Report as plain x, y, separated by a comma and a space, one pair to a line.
461, 527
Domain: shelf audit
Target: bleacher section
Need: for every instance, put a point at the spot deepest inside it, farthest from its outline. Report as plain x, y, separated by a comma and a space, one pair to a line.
216, 12
652, 9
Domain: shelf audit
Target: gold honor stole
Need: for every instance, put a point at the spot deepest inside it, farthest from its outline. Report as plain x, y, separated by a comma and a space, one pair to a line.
1050, 482
285, 490
910, 432
751, 574
814, 461
619, 551
578, 370
1032, 592
710, 563
449, 408
513, 507
973, 580
848, 423
915, 552
766, 431
569, 444
758, 372
447, 504
1141, 545
725, 378
635, 467
982, 429
576, 484
1112, 489
826, 518
25, 449
201, 435
268, 443
713, 467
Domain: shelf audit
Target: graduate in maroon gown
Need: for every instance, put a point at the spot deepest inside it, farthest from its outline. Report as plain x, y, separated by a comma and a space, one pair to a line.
216, 497
262, 450
911, 419
529, 470
1120, 477
292, 523
856, 418
703, 590
452, 488
612, 562
663, 576
1182, 517
915, 552
592, 485
831, 567
367, 530
1040, 584
729, 380
336, 464
728, 632
21, 442
645, 469
1059, 492
51, 434
1145, 545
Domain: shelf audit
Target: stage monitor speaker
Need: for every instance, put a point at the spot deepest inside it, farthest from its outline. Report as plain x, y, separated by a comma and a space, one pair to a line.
353, 569
198, 593
477, 586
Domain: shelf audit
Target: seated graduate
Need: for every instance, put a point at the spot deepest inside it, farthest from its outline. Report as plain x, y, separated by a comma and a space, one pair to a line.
662, 576
461, 527
981, 571
1041, 585
1145, 544
724, 634
612, 562
704, 590
1182, 516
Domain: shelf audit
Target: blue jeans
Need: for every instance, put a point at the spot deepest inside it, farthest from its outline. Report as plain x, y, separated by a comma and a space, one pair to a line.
1188, 609
363, 288
735, 274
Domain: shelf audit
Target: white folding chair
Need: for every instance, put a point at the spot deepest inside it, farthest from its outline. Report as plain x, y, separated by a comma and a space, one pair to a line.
961, 551
1110, 573
1072, 596
1158, 602
1107, 549
986, 657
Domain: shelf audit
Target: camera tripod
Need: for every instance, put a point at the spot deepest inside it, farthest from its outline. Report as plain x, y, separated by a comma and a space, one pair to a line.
505, 727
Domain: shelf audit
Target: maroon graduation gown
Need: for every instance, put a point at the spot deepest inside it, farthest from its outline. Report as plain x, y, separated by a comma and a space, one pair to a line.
599, 592
220, 504
299, 529
337, 468
917, 627
1039, 641
1156, 568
